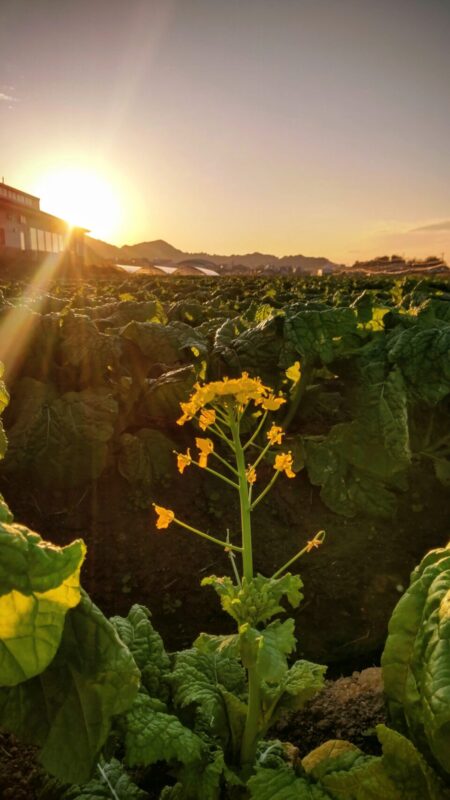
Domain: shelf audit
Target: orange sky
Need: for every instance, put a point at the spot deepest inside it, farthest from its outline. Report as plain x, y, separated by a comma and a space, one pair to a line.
284, 126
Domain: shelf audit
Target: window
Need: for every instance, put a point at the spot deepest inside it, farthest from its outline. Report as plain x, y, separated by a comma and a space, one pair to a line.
41, 241
48, 241
61, 243
55, 243
22, 240
33, 239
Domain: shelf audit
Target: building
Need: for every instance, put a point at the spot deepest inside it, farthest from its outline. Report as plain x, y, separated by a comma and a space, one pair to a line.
29, 234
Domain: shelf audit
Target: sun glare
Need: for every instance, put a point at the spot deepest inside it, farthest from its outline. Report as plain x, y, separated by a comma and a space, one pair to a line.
82, 198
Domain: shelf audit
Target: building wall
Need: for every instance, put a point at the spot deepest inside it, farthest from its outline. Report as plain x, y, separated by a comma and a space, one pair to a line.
35, 233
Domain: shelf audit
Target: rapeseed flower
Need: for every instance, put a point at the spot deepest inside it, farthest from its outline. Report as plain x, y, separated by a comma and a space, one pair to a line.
206, 447
251, 475
293, 372
207, 418
275, 434
238, 390
271, 403
283, 463
184, 460
165, 516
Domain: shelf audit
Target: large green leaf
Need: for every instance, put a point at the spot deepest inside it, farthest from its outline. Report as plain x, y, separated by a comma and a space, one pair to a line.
319, 336
166, 344
416, 659
283, 784
112, 778
423, 357
151, 735
60, 441
206, 682
146, 647
39, 583
67, 710
84, 348
146, 457
162, 396
360, 462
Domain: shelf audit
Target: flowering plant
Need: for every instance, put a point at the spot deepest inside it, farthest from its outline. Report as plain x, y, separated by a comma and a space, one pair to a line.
219, 409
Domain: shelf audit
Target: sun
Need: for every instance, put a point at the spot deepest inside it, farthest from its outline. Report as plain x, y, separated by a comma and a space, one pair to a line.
82, 197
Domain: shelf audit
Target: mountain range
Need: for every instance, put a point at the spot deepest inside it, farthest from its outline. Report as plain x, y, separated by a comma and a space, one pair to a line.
161, 252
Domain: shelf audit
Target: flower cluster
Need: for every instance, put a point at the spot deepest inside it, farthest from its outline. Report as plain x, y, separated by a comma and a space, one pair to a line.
240, 390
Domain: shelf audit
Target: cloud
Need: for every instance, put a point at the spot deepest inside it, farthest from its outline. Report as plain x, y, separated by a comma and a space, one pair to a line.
6, 98
435, 227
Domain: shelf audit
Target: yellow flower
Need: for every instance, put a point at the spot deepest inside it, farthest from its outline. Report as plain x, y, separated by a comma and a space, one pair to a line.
271, 403
293, 372
283, 463
165, 516
188, 410
275, 434
251, 474
184, 460
206, 447
207, 418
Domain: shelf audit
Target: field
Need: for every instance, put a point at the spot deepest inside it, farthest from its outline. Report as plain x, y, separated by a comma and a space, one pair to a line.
96, 373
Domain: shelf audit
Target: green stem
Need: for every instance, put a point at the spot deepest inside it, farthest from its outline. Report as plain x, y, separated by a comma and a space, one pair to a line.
204, 535
255, 434
246, 525
264, 491
225, 463
320, 537
251, 731
217, 474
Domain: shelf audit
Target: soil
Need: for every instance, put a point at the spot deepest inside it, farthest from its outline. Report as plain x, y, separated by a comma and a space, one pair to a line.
348, 708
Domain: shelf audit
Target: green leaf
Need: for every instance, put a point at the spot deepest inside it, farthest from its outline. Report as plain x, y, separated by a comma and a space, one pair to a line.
162, 396
146, 457
270, 646
203, 782
407, 769
422, 356
319, 336
146, 647
112, 776
258, 599
59, 441
225, 645
359, 462
167, 344
85, 351
298, 685
67, 710
284, 784
154, 735
39, 583
416, 658
200, 680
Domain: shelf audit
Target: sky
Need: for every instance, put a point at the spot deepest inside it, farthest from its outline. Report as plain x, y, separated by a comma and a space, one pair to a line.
319, 127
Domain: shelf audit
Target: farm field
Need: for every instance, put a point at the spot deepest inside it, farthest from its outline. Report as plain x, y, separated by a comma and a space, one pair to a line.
96, 373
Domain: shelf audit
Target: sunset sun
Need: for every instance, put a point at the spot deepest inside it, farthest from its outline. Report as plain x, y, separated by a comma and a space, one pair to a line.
83, 198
